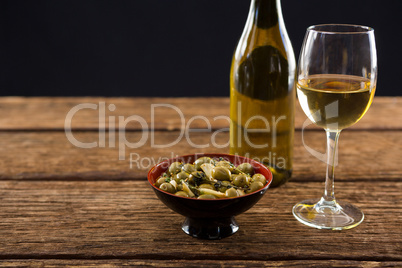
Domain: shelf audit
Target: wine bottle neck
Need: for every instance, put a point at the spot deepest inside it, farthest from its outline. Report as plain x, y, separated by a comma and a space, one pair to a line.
265, 13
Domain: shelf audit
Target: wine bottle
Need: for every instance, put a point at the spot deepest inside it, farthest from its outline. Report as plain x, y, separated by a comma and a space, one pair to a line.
262, 93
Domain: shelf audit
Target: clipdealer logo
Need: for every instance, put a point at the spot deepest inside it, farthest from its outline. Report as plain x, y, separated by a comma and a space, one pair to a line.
117, 125
331, 111
112, 132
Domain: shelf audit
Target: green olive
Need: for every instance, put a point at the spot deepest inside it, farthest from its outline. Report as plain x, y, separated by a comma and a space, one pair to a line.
207, 196
222, 186
246, 168
221, 174
231, 192
182, 175
236, 171
196, 178
188, 168
241, 180
160, 181
179, 186
225, 164
181, 193
202, 160
254, 186
207, 186
167, 187
175, 168
259, 177
224, 180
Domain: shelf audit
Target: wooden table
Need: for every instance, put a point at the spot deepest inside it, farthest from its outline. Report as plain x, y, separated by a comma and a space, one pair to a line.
65, 205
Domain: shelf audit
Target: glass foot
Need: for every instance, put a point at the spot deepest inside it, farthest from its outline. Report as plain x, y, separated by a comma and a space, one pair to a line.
332, 215
210, 228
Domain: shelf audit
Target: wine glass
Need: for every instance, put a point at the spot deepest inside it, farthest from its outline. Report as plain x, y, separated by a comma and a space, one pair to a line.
337, 77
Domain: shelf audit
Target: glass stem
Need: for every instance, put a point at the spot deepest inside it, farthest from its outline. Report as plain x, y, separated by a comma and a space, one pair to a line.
332, 144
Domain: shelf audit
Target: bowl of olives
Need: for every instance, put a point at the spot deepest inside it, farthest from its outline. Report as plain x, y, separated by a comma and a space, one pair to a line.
210, 190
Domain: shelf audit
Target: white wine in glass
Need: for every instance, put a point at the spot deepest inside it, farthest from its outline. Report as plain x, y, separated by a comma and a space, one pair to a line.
351, 95
337, 77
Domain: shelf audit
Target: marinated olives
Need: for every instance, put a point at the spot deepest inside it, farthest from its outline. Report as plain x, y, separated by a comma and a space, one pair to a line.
175, 167
260, 178
221, 173
246, 168
188, 168
209, 178
202, 160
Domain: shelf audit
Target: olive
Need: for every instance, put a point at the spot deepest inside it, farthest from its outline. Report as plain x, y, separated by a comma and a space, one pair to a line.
246, 168
179, 187
241, 180
181, 193
231, 192
202, 160
254, 186
226, 164
207, 196
223, 186
182, 175
236, 171
221, 174
224, 180
196, 178
259, 177
167, 187
175, 168
188, 168
207, 186
160, 181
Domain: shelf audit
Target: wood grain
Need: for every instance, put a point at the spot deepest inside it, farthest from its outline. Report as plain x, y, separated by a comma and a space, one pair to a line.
363, 155
114, 262
166, 113
125, 220
44, 113
61, 205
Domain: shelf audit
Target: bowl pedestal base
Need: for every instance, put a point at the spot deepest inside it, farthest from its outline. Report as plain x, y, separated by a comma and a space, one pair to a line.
210, 228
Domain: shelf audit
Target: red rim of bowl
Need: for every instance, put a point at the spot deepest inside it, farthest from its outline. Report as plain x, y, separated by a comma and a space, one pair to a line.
212, 155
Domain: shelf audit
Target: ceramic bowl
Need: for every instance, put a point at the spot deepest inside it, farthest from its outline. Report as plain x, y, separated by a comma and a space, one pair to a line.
209, 218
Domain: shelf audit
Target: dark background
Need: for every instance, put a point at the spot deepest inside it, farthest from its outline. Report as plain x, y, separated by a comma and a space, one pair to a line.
160, 47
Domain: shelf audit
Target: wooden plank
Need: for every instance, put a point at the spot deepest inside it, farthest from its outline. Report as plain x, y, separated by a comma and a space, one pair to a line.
363, 155
194, 263
44, 113
165, 113
125, 220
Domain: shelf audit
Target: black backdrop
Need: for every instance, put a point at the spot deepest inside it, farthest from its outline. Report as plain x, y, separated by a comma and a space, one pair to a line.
160, 47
